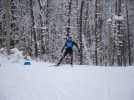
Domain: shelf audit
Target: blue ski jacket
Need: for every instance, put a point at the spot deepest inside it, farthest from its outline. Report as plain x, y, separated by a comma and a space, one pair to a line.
69, 46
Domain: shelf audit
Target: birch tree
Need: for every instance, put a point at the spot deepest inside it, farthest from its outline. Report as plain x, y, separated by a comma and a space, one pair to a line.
33, 28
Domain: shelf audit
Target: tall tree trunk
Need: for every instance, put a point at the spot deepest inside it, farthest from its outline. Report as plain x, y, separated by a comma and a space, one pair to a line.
33, 28
101, 47
41, 22
96, 42
81, 47
8, 26
119, 57
47, 24
77, 20
128, 32
114, 45
124, 47
69, 15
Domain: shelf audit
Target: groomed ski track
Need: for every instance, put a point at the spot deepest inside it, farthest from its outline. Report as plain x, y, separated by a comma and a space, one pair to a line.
40, 82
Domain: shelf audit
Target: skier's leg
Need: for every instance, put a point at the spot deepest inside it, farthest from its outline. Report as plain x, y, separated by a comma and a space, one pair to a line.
65, 53
71, 55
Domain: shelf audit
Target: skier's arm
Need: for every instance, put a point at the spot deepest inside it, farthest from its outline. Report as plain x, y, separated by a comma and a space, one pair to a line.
63, 47
76, 45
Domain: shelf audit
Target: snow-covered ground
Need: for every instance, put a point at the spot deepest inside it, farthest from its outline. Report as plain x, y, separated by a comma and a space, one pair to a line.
40, 81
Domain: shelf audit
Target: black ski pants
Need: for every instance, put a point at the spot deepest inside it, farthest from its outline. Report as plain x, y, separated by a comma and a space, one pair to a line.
70, 52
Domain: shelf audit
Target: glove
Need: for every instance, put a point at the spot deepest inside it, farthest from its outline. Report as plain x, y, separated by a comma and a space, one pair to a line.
61, 51
78, 50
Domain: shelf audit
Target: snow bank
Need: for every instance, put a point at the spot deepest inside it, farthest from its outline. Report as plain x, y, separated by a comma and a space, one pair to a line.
15, 56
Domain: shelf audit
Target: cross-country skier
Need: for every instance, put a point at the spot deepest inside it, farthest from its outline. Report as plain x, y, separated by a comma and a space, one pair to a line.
69, 50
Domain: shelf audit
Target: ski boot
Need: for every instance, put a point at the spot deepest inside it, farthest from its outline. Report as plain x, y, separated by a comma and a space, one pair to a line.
58, 64
71, 64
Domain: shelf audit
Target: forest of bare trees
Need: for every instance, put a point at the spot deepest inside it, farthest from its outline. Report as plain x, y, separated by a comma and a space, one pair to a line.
103, 29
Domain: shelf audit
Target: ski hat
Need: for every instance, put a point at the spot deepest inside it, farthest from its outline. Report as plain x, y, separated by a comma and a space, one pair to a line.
70, 36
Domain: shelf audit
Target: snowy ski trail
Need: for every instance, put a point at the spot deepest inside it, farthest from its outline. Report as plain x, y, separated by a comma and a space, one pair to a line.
39, 82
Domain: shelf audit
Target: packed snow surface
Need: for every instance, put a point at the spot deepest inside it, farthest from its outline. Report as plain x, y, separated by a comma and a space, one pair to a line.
41, 81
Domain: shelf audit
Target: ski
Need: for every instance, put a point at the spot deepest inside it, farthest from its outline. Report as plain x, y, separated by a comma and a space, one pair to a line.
54, 66
57, 65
